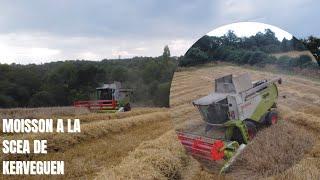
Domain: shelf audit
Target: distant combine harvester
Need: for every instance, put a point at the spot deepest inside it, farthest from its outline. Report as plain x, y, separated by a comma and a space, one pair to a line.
110, 98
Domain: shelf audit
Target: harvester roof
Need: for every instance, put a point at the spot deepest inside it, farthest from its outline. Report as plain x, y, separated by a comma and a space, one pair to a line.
115, 85
224, 86
209, 99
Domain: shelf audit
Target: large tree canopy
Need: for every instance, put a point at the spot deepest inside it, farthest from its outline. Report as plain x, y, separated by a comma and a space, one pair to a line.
61, 83
253, 50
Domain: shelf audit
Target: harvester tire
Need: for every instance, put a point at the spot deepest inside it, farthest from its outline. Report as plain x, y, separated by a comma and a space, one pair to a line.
252, 129
237, 136
272, 118
127, 107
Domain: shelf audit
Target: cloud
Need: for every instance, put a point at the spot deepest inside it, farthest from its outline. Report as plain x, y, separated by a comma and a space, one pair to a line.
28, 51
241, 8
77, 29
24, 48
118, 53
246, 29
141, 49
180, 46
88, 55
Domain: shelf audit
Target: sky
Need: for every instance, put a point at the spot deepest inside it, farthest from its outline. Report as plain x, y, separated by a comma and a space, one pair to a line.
39, 31
247, 29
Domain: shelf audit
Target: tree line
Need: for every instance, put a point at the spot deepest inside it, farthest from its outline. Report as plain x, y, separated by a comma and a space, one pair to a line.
253, 50
62, 83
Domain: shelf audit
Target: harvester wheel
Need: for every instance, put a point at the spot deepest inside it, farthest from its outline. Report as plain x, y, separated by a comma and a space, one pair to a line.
272, 118
237, 136
127, 107
252, 129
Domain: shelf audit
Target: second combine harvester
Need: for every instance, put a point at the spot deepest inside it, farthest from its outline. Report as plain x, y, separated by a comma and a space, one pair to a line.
233, 114
109, 98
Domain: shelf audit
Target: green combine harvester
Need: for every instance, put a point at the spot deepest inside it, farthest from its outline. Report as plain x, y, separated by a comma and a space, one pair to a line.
233, 114
110, 98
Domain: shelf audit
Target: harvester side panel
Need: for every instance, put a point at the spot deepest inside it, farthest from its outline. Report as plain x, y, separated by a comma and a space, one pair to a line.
268, 98
248, 107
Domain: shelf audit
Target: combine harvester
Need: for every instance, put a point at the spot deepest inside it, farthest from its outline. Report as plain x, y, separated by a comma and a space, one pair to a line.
111, 98
233, 114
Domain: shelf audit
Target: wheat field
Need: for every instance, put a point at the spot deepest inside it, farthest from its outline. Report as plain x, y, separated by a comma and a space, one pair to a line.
288, 150
142, 144
104, 139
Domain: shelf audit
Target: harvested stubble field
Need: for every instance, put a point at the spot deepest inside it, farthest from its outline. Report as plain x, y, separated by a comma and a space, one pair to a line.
104, 139
142, 144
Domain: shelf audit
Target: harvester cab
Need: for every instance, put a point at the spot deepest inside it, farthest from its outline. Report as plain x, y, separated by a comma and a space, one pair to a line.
110, 97
232, 115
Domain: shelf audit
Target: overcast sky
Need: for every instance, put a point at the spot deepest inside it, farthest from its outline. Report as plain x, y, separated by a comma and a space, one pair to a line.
38, 31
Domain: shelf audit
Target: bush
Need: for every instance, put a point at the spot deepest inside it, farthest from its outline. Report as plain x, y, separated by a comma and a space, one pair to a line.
304, 59
284, 61
258, 57
193, 57
311, 65
42, 99
6, 101
161, 95
235, 56
245, 57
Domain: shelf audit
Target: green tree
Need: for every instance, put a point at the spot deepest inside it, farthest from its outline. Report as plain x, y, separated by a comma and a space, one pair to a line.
151, 72
194, 56
303, 60
166, 52
257, 57
42, 99
286, 45
7, 101
61, 83
119, 74
162, 95
313, 44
